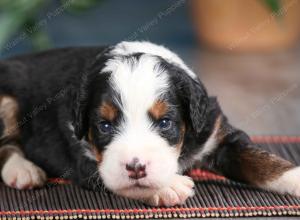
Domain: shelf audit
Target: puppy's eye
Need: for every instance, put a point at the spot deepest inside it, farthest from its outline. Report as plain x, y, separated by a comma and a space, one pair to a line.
165, 124
106, 127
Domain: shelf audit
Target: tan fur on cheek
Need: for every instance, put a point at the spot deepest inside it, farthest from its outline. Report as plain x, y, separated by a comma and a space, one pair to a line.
97, 154
108, 111
90, 136
180, 144
94, 149
158, 109
220, 133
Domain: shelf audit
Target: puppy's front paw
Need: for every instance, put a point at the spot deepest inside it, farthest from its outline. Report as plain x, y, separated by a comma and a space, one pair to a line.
175, 194
20, 173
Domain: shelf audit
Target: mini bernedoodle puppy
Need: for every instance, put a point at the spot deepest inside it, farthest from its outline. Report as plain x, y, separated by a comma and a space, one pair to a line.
130, 117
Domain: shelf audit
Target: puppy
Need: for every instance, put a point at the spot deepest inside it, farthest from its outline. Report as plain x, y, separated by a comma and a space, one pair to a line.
130, 117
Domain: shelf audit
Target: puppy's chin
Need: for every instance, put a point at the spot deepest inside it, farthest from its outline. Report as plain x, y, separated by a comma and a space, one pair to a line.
138, 189
137, 192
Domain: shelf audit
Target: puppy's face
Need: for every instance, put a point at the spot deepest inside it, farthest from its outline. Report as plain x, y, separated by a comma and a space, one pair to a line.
137, 123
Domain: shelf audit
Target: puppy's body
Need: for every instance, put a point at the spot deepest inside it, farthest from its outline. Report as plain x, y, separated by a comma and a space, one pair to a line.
132, 117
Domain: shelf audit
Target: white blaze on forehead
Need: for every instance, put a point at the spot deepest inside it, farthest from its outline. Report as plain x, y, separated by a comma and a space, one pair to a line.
139, 83
126, 48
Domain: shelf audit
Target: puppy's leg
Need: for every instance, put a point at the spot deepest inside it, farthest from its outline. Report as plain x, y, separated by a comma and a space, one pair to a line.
15, 170
177, 193
237, 158
18, 172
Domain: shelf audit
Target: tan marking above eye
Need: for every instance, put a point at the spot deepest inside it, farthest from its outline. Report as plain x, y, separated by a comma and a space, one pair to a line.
158, 109
108, 111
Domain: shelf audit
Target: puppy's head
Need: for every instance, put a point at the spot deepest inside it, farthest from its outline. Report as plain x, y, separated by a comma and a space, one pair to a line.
135, 112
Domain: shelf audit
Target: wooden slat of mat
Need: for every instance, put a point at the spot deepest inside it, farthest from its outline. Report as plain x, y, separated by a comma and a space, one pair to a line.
215, 197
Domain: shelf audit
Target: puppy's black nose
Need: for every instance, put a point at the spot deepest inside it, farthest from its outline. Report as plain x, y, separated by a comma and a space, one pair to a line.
135, 169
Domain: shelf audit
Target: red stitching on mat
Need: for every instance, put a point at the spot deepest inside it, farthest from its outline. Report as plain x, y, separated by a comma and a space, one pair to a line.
153, 210
200, 174
59, 181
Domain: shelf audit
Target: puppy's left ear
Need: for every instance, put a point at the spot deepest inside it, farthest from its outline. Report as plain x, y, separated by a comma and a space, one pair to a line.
193, 97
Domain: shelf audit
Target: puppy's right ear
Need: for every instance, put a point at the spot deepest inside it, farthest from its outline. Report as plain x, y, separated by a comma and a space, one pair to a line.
194, 98
192, 95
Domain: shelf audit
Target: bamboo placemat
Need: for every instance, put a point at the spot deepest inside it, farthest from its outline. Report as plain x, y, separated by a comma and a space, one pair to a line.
215, 197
